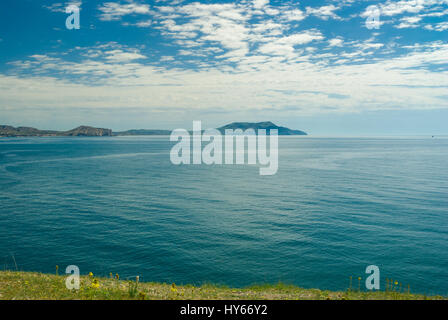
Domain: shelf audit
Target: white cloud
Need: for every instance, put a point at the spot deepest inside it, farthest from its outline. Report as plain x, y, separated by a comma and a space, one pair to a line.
259, 4
380, 85
60, 7
285, 46
442, 26
122, 56
257, 82
392, 8
294, 15
436, 13
115, 11
324, 12
273, 65
140, 24
336, 42
403, 6
409, 22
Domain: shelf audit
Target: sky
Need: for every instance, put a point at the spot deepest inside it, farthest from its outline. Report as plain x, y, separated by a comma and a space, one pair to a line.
335, 67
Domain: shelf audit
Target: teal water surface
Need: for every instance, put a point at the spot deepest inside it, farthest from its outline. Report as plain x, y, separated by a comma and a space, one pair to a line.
335, 206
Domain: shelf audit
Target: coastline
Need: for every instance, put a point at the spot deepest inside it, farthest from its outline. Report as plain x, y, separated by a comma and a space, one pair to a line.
15, 285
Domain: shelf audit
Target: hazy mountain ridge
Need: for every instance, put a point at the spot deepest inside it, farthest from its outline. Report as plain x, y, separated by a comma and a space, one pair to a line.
282, 131
86, 131
143, 132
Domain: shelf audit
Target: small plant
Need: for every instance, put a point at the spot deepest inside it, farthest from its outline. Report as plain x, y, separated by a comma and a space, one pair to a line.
141, 295
133, 287
174, 291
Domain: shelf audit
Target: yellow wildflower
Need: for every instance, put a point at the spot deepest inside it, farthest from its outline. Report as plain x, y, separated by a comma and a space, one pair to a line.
90, 274
95, 284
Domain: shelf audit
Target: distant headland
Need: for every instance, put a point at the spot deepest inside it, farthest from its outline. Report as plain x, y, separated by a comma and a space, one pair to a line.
82, 131
86, 131
282, 131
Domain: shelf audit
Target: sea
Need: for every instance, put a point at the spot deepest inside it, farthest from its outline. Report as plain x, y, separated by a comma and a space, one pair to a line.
336, 206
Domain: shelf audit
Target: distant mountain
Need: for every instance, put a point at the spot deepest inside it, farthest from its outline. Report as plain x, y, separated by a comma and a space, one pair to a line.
143, 132
88, 132
9, 131
282, 131
236, 125
85, 131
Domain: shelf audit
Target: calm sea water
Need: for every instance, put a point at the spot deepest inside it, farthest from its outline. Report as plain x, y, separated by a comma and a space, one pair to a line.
335, 206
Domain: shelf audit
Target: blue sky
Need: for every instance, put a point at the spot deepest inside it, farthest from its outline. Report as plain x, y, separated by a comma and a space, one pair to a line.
310, 65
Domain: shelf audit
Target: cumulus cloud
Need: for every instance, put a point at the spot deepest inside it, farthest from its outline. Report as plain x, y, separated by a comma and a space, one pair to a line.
409, 22
294, 15
324, 12
258, 4
115, 11
122, 56
246, 55
393, 8
119, 78
336, 42
442, 26
60, 7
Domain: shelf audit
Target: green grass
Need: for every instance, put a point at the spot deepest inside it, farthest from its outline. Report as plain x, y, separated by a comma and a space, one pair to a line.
38, 286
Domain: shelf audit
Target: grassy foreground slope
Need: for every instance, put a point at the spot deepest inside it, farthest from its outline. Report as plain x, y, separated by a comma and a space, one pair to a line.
38, 286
